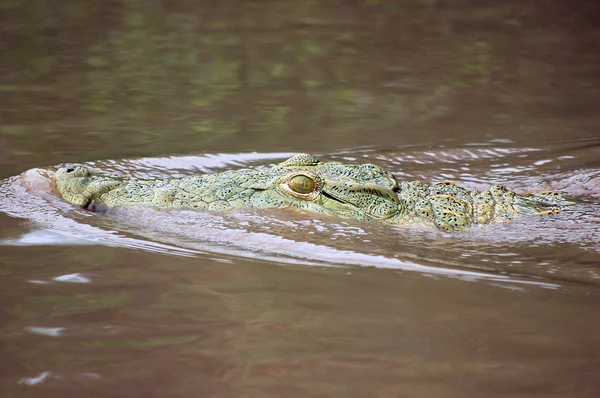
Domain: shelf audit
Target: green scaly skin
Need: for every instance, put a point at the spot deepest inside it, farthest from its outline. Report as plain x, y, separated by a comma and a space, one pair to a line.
363, 192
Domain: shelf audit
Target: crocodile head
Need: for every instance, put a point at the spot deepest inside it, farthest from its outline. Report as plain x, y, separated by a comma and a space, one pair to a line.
363, 191
360, 191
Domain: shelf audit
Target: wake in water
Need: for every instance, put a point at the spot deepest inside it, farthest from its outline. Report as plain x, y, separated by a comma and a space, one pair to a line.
493, 252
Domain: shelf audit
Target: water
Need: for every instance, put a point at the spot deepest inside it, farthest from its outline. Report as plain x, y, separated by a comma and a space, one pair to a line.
282, 303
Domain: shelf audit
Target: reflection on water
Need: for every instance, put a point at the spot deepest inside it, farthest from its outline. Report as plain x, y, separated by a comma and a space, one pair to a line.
279, 303
148, 78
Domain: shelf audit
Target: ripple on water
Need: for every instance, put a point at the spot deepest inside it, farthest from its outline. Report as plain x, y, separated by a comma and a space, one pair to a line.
551, 248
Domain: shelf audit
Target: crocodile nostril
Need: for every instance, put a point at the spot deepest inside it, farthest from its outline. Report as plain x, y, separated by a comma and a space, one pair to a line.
70, 170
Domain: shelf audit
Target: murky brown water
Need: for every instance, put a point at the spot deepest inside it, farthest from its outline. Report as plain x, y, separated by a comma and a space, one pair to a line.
284, 304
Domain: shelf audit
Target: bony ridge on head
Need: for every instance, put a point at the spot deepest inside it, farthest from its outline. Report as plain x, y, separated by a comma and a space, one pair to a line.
301, 159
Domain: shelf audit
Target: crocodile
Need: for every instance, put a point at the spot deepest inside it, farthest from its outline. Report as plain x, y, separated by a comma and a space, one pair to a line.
364, 192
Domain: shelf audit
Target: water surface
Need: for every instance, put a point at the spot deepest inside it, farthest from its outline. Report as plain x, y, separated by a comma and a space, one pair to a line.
282, 303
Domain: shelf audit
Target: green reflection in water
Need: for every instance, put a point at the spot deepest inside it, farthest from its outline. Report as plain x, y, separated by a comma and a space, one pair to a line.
151, 77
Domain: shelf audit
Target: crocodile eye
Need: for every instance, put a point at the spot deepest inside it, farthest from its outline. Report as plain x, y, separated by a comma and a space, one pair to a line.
302, 184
